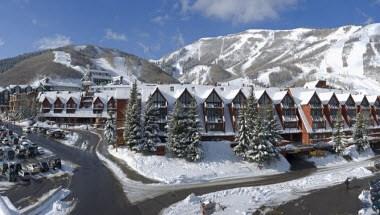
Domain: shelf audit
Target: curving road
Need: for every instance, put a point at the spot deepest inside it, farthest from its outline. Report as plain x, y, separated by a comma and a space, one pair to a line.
99, 192
94, 187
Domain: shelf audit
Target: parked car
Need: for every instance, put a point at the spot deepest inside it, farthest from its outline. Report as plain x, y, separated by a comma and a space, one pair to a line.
33, 168
25, 175
44, 166
56, 133
42, 130
23, 138
40, 151
55, 163
27, 130
35, 129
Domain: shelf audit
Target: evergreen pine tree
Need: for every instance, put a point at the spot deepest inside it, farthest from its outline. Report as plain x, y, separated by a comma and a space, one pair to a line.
194, 152
338, 135
151, 129
184, 136
258, 135
242, 138
132, 130
360, 133
110, 132
177, 132
272, 128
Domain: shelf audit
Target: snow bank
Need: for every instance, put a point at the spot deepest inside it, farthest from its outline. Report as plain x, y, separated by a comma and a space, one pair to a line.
333, 159
219, 162
70, 139
24, 123
327, 161
6, 207
365, 198
51, 204
353, 153
248, 200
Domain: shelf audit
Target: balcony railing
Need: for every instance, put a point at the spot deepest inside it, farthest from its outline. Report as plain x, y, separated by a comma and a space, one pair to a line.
213, 105
215, 120
160, 105
287, 118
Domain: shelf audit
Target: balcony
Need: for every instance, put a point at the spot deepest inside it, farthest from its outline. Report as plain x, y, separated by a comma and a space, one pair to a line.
290, 118
214, 120
213, 105
45, 109
287, 106
237, 106
58, 109
160, 105
315, 106
290, 125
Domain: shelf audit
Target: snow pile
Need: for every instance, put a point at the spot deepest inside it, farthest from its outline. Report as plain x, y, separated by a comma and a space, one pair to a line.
248, 200
70, 139
219, 163
353, 153
365, 198
6, 207
333, 159
24, 123
51, 203
327, 161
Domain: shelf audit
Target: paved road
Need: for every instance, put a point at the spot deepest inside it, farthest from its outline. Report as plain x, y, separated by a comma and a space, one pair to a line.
332, 201
98, 192
93, 185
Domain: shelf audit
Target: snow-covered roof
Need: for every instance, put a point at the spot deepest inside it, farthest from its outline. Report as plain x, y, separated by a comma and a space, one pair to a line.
325, 97
358, 98
343, 97
372, 99
301, 95
311, 84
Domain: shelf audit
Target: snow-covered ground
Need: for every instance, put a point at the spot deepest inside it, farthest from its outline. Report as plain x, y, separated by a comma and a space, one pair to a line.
334, 159
248, 200
219, 162
70, 139
51, 204
365, 198
6, 207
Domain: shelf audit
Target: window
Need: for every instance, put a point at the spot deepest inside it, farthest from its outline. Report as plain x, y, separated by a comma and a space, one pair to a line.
287, 102
213, 100
171, 88
239, 100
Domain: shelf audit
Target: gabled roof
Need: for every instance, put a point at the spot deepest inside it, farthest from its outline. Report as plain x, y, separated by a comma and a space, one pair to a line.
326, 97
302, 96
343, 97
358, 99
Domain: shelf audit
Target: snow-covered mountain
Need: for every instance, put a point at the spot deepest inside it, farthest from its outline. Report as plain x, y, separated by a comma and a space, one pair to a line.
348, 57
67, 64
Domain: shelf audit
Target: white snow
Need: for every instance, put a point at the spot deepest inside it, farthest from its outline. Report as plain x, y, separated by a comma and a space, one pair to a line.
248, 200
6, 207
64, 58
365, 198
219, 162
51, 203
330, 159
70, 139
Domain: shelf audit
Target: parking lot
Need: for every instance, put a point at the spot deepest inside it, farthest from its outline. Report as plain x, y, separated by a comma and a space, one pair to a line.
22, 160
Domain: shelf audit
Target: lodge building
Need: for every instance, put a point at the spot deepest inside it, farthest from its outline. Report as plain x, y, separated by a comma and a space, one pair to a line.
305, 116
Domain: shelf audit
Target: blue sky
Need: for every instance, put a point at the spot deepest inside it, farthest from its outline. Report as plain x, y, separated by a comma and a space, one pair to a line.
153, 28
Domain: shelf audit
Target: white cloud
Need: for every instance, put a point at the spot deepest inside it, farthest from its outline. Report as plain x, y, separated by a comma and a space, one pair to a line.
179, 40
161, 20
149, 49
53, 42
112, 35
1, 42
238, 11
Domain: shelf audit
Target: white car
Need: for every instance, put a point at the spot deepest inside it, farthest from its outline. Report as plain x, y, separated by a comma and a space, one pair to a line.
26, 130
33, 168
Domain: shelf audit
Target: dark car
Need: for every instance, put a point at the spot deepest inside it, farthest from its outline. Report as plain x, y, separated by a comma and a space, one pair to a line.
55, 163
44, 166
